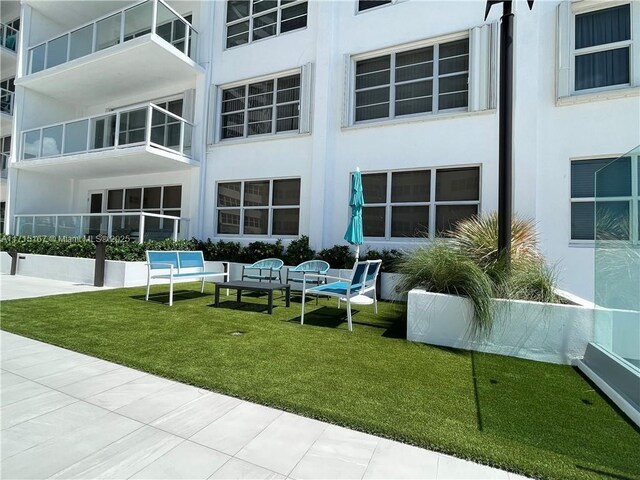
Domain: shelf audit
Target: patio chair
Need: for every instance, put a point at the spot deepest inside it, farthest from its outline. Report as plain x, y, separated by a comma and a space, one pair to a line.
267, 269
296, 274
370, 285
349, 290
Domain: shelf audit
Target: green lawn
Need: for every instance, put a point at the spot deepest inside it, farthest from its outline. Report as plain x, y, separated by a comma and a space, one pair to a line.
533, 418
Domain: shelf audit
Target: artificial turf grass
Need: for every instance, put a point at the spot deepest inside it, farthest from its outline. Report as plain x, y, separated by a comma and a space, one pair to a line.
533, 418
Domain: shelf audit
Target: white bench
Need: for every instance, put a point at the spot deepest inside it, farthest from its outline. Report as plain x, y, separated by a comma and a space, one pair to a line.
179, 265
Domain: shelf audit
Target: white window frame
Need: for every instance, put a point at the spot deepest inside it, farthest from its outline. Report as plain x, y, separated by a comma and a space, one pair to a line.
566, 94
633, 199
270, 207
251, 17
304, 107
432, 203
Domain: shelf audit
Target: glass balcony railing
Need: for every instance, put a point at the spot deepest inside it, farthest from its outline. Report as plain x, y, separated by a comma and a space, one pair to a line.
6, 101
4, 165
617, 257
146, 125
132, 226
150, 16
8, 37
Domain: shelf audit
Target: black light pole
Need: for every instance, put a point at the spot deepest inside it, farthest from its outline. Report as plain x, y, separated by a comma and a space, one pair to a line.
505, 132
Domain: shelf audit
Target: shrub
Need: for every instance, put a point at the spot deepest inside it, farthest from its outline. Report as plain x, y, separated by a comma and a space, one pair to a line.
299, 251
260, 250
442, 268
389, 259
338, 256
220, 251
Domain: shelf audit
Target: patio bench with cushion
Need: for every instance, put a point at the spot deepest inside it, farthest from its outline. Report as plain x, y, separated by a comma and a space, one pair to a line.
179, 265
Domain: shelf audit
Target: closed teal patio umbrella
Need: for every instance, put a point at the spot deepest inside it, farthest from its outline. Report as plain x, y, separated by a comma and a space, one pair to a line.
354, 233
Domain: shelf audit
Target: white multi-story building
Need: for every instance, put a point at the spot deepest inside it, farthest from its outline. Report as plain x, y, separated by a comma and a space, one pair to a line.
246, 117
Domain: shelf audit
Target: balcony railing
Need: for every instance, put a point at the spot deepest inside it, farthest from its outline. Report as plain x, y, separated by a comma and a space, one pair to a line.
6, 101
4, 165
8, 37
150, 16
131, 127
132, 226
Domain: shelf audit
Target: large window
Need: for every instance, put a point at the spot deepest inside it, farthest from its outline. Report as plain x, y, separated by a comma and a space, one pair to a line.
369, 4
429, 79
251, 20
259, 207
419, 202
602, 48
618, 196
264, 107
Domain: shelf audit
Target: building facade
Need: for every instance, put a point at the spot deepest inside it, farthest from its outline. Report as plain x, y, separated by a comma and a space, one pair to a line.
245, 118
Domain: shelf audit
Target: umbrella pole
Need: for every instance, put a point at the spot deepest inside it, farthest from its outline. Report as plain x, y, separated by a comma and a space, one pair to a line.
357, 253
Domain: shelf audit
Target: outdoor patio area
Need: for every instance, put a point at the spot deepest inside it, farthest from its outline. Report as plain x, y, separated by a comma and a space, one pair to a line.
532, 418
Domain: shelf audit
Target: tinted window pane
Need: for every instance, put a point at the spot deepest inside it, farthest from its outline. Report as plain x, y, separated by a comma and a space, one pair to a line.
582, 218
374, 187
614, 180
237, 9
108, 32
285, 221
265, 25
256, 193
229, 194
409, 221
373, 221
81, 42
447, 216
583, 177
229, 221
151, 197
57, 51
114, 200
612, 220
410, 186
603, 26
294, 17
458, 184
75, 136
52, 141
286, 192
172, 197
237, 34
132, 198
602, 69
367, 4
256, 221
373, 72
37, 58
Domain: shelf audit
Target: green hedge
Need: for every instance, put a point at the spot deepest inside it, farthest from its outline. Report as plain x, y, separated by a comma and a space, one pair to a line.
298, 251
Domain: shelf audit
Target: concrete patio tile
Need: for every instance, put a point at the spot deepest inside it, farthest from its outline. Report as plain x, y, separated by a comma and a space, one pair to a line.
65, 363
33, 407
25, 350
47, 354
281, 445
187, 461
339, 453
77, 374
21, 391
8, 379
451, 468
46, 427
122, 395
240, 470
101, 383
235, 429
195, 415
515, 476
397, 460
152, 407
57, 454
125, 456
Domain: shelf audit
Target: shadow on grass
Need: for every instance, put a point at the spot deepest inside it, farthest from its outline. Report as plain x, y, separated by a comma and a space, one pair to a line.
243, 307
178, 296
604, 473
331, 317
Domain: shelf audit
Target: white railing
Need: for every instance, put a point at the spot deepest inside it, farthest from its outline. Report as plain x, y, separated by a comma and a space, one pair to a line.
129, 127
8, 37
128, 226
150, 16
6, 101
4, 165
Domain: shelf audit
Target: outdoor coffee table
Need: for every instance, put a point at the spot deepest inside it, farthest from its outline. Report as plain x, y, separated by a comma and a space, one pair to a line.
254, 287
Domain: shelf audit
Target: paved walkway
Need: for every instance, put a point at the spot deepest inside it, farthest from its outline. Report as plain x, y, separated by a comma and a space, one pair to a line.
68, 415
17, 286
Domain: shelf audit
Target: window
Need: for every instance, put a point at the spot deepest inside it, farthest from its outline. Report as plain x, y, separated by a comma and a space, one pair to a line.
419, 202
429, 79
2, 212
596, 44
618, 196
5, 151
602, 48
251, 20
368, 4
264, 107
7, 88
259, 207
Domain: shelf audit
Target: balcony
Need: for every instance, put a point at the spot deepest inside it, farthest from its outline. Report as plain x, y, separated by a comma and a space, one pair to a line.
142, 139
136, 49
8, 46
132, 226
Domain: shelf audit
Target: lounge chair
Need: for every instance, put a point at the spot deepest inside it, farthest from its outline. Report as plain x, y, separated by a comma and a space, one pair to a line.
350, 290
267, 269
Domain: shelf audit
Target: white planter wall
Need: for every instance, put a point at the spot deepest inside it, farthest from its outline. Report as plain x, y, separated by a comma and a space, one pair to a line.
536, 331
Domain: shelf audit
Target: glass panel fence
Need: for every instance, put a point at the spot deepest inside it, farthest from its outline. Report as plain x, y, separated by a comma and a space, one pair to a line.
52, 141
6, 101
617, 257
69, 226
122, 26
24, 225
93, 225
44, 225
75, 136
8, 37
